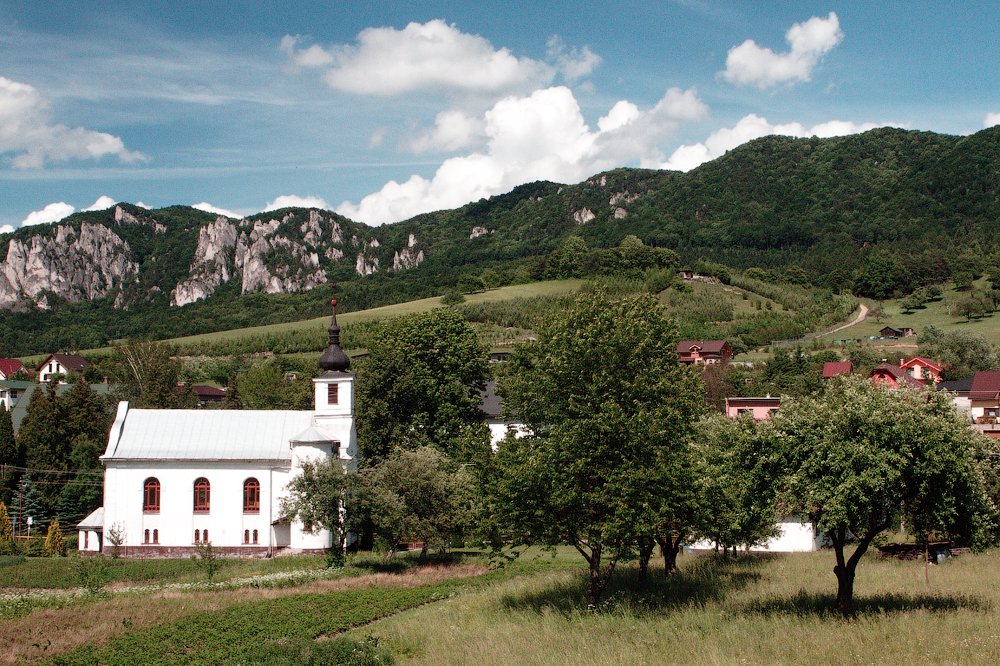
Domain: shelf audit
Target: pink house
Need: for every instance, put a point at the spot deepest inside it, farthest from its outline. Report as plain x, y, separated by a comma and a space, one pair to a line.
759, 408
893, 376
924, 371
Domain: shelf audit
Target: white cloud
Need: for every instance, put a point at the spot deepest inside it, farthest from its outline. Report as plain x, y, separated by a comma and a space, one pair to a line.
752, 127
425, 57
453, 130
26, 131
209, 208
573, 63
991, 120
377, 137
51, 213
102, 203
749, 64
290, 201
539, 137
6, 229
141, 205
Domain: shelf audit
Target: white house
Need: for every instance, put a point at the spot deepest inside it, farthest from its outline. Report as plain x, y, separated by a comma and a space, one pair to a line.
178, 478
60, 364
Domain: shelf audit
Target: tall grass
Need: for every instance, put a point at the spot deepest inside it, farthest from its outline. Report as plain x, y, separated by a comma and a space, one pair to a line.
751, 610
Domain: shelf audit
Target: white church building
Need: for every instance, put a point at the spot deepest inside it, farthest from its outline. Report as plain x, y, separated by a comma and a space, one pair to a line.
175, 479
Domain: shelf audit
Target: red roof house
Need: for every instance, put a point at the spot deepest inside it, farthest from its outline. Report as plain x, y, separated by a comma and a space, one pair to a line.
834, 368
60, 364
893, 376
703, 351
759, 408
923, 370
10, 366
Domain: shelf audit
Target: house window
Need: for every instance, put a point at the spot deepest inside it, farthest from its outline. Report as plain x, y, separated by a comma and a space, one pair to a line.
145, 537
204, 535
156, 536
151, 495
246, 536
332, 394
202, 496
251, 496
255, 536
86, 540
197, 536
991, 411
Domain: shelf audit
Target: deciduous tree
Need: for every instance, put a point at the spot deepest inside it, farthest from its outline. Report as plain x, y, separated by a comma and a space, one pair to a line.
610, 413
860, 458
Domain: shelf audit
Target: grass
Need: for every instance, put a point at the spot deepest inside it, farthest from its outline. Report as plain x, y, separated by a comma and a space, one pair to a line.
934, 313
766, 609
548, 288
754, 610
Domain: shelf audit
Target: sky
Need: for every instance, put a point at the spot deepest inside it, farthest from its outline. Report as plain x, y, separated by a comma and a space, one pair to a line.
381, 111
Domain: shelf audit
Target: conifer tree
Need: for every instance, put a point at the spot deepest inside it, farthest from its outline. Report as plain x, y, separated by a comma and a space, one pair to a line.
10, 456
55, 543
6, 530
32, 505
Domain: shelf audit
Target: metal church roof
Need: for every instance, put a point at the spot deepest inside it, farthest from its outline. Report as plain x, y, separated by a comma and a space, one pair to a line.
209, 434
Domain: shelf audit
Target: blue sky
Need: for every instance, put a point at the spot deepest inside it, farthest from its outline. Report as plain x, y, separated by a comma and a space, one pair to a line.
385, 110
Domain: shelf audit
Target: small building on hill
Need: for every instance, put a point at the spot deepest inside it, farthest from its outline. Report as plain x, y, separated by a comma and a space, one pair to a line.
758, 408
706, 352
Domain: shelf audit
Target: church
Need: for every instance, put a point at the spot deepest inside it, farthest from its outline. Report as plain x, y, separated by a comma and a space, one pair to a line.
175, 479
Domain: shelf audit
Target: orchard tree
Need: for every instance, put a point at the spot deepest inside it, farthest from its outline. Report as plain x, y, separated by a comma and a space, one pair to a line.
860, 458
316, 499
610, 413
417, 494
420, 384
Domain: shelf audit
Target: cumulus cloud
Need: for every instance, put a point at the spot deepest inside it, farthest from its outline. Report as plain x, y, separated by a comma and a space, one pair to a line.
991, 120
6, 229
26, 131
209, 208
434, 56
749, 64
292, 201
51, 213
453, 130
749, 128
542, 136
102, 203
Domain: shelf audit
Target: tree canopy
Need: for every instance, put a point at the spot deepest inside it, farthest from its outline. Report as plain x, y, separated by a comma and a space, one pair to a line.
610, 413
860, 458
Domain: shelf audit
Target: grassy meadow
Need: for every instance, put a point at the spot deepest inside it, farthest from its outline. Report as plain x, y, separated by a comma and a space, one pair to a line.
758, 609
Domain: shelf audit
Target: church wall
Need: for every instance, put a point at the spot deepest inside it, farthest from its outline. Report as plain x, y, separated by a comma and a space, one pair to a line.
174, 525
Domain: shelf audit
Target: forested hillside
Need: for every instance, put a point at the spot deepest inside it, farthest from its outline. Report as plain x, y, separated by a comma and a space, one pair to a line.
880, 213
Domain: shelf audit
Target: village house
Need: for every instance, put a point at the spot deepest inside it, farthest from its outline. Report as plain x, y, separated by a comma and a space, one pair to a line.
11, 366
923, 370
893, 376
892, 333
758, 408
984, 402
60, 364
705, 352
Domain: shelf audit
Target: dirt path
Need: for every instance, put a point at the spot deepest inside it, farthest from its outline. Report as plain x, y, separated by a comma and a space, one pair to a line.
857, 320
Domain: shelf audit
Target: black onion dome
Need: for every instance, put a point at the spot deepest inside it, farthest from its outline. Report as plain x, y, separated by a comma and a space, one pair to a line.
334, 359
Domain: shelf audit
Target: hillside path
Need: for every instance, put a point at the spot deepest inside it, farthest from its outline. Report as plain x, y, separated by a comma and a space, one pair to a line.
857, 320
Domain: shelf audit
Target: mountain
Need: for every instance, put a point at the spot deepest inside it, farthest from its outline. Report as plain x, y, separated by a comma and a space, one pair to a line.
881, 212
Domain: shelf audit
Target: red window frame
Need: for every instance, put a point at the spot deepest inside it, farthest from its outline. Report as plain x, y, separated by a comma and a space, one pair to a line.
202, 495
251, 496
151, 495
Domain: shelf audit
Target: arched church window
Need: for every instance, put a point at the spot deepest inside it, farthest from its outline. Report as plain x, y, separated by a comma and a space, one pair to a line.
255, 536
151, 495
197, 536
251, 496
145, 537
202, 496
156, 536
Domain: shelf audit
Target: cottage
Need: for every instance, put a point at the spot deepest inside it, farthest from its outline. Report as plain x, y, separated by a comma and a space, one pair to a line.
923, 370
175, 479
758, 408
60, 364
893, 376
984, 400
707, 352
12, 366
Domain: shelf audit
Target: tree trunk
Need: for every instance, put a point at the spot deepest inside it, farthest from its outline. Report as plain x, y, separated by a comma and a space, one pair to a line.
645, 552
594, 586
845, 586
669, 547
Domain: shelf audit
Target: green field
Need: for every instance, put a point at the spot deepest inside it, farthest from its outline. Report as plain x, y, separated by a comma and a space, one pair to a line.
758, 609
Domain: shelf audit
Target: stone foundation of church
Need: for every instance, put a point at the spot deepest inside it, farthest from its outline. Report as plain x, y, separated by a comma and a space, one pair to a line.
152, 551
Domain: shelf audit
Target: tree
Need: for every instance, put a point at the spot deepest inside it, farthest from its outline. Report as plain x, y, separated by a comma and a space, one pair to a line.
965, 353
609, 412
316, 499
420, 494
6, 530
859, 458
420, 384
145, 374
11, 455
55, 544
736, 483
264, 386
